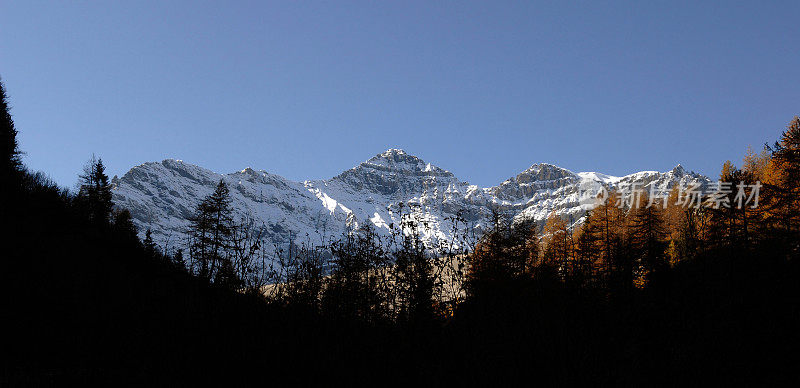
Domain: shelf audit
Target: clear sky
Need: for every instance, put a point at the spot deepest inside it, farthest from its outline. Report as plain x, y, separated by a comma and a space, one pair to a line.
484, 89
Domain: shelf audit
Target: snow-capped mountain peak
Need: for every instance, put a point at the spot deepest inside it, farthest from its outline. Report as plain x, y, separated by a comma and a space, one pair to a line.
678, 170
162, 196
394, 173
395, 159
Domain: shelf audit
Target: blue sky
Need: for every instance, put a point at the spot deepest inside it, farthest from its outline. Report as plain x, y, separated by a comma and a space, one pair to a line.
483, 89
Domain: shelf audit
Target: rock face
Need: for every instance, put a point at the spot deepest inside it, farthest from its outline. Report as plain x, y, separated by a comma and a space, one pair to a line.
162, 196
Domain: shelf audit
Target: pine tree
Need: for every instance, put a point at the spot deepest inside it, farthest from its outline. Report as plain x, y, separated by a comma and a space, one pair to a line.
103, 190
10, 160
732, 221
149, 245
353, 288
674, 222
523, 247
123, 224
95, 192
783, 186
587, 248
606, 223
787, 154
489, 268
558, 251
648, 238
756, 164
211, 229
226, 276
687, 228
219, 203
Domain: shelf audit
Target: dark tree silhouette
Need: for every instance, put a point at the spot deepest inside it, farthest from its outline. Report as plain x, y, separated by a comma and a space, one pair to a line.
123, 223
211, 230
648, 238
149, 245
10, 155
84, 301
95, 191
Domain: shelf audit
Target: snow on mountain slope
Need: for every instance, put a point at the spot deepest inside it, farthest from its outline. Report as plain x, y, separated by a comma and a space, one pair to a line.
162, 196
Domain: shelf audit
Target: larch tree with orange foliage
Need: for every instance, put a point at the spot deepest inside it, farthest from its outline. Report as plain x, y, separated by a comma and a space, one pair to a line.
782, 188
647, 236
558, 246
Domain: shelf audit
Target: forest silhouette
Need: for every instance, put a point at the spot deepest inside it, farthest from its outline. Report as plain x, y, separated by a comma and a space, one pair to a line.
636, 295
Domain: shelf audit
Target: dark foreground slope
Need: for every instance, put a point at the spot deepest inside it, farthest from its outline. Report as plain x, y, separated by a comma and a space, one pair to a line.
87, 304
84, 301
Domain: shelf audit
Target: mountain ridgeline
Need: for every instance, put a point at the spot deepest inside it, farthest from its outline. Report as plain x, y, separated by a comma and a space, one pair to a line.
635, 295
162, 196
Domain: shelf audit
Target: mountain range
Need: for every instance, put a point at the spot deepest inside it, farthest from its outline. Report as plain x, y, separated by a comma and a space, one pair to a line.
162, 196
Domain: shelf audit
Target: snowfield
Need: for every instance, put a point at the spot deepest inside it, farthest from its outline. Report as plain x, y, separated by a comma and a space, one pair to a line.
162, 196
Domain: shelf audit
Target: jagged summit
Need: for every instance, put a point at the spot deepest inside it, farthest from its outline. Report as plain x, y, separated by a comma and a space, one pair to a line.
398, 160
543, 172
678, 170
392, 152
540, 176
394, 172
